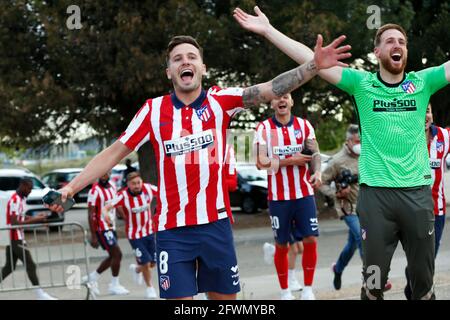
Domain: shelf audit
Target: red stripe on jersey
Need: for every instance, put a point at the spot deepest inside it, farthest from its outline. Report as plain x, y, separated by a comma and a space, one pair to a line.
171, 184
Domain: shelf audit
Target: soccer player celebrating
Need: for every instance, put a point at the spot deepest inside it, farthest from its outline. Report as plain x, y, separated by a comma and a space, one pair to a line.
195, 250
133, 206
280, 141
394, 202
103, 233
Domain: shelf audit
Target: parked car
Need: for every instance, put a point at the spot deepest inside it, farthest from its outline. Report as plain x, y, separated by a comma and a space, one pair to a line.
57, 179
251, 193
9, 182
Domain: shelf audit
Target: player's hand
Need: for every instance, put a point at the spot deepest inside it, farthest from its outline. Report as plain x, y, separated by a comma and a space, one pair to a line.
300, 159
66, 192
329, 56
343, 193
258, 24
94, 242
316, 180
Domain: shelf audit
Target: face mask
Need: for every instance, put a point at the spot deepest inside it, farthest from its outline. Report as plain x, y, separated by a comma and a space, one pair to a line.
356, 149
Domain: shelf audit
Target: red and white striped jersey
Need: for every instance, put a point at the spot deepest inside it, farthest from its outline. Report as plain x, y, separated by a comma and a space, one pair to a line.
438, 149
138, 216
283, 141
99, 197
189, 145
15, 208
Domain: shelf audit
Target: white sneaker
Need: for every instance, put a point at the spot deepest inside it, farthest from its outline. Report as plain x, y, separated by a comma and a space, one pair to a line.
150, 293
286, 294
269, 252
137, 277
294, 285
117, 290
92, 285
202, 296
308, 294
45, 296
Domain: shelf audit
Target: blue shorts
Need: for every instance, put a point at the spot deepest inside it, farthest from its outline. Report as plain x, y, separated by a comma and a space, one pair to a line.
107, 239
197, 259
295, 235
144, 249
297, 217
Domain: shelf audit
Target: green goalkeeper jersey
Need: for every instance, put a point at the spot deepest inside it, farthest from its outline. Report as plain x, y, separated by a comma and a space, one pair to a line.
392, 125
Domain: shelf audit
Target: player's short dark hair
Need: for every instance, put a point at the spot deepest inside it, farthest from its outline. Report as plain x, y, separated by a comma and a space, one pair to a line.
385, 27
26, 182
133, 175
177, 40
351, 130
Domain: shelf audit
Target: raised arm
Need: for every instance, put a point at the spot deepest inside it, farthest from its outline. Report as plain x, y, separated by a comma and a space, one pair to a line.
297, 51
323, 58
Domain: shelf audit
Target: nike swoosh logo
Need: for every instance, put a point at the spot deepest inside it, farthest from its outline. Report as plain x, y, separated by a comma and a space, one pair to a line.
235, 283
375, 86
430, 232
314, 229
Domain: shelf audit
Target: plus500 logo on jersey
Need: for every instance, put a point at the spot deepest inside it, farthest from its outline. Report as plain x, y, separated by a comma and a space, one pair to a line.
287, 150
189, 143
394, 105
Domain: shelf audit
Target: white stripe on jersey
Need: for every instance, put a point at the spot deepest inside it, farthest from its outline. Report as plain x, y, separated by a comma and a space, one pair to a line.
134, 126
180, 169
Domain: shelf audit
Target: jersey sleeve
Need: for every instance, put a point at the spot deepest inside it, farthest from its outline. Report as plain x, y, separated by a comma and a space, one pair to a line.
138, 131
350, 80
311, 132
13, 208
434, 78
230, 99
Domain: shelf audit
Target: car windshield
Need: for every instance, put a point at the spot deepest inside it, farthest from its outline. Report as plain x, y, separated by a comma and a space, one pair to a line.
252, 173
12, 183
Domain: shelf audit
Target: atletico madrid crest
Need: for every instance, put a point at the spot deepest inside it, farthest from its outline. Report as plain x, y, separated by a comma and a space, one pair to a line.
203, 113
298, 134
408, 86
164, 282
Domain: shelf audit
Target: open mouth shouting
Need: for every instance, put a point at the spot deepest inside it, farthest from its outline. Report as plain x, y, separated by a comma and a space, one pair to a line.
396, 58
187, 75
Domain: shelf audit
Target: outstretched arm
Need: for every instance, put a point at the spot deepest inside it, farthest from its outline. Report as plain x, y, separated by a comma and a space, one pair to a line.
323, 58
297, 51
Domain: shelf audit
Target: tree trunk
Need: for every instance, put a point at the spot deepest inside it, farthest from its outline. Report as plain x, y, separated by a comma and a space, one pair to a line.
147, 163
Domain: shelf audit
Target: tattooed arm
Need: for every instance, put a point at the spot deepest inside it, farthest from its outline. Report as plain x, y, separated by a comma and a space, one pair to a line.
279, 86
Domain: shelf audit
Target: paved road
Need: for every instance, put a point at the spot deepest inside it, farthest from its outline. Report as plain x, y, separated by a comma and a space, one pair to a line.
258, 280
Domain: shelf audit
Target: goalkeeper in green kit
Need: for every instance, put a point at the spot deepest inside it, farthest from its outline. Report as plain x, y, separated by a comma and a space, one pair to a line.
394, 202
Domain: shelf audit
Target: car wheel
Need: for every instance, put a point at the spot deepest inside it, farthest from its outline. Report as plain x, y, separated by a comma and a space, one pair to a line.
249, 205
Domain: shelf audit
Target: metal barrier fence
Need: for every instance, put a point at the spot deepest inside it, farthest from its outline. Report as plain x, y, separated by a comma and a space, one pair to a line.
57, 252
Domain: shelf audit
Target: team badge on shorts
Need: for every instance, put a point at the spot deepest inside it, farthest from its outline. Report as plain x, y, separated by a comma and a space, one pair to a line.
164, 282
